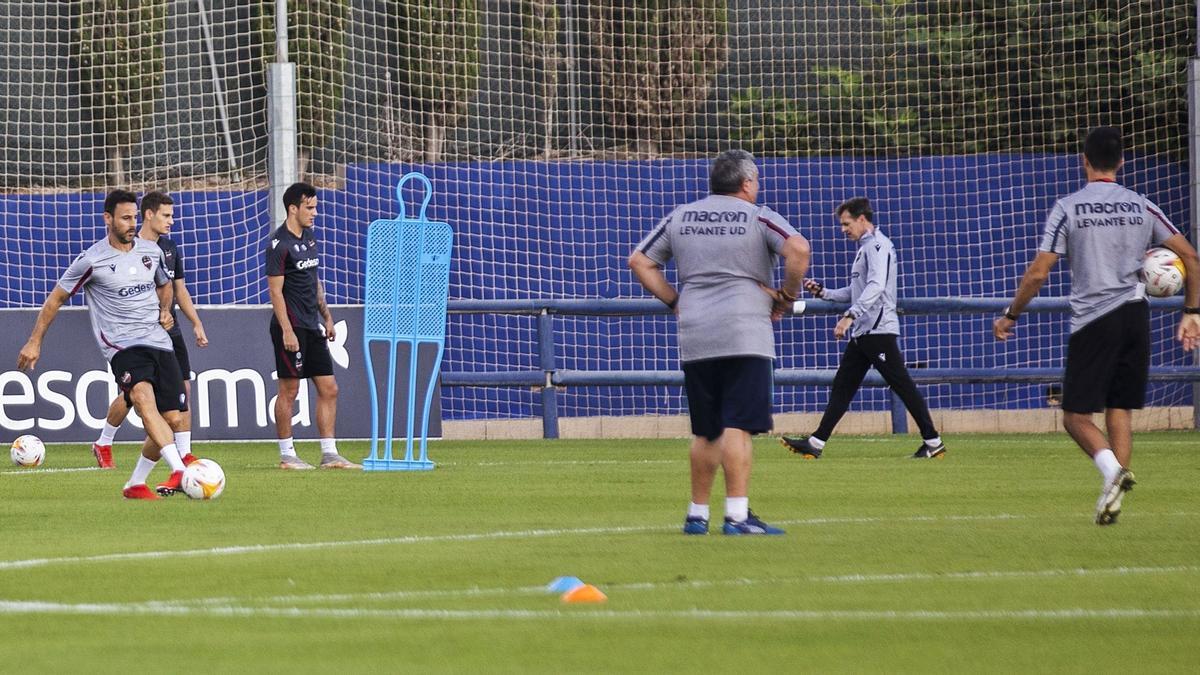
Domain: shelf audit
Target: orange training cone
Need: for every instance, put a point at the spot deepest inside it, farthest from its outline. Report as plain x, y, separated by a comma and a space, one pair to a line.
585, 593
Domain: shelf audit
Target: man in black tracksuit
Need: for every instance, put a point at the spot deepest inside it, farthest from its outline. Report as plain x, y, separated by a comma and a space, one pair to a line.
873, 328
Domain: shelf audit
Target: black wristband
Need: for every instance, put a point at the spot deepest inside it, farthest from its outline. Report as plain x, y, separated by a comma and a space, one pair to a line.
1009, 315
1191, 310
849, 315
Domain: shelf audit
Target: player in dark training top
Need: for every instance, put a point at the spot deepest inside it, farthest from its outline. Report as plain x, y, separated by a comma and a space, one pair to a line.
301, 328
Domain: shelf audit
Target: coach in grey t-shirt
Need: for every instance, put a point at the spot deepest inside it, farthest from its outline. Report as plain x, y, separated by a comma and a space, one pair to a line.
725, 248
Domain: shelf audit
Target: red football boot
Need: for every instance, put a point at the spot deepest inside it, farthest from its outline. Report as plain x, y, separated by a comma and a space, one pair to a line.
171, 485
103, 455
139, 491
189, 458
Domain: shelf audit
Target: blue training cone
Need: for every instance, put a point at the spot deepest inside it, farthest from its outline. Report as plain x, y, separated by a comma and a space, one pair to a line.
563, 585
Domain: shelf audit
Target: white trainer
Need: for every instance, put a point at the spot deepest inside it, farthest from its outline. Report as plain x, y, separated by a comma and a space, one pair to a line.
291, 463
1108, 507
337, 462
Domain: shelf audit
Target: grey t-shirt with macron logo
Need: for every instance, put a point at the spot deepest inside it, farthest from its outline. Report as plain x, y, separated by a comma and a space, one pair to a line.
725, 250
1104, 230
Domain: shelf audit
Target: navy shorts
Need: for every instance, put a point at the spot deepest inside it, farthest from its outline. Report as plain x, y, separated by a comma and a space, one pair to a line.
1108, 362
729, 393
156, 366
181, 355
311, 360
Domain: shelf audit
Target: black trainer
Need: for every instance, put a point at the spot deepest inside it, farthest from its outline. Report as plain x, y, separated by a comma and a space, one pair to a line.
800, 446
926, 452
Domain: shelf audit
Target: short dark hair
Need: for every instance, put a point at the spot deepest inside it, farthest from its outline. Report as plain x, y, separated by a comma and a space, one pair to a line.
729, 170
1103, 148
856, 206
151, 201
297, 193
118, 197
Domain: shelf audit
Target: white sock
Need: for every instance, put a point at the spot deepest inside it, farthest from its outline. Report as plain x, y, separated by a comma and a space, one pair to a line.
141, 472
328, 446
737, 508
286, 447
816, 443
171, 454
183, 441
697, 510
1107, 462
107, 434
933, 442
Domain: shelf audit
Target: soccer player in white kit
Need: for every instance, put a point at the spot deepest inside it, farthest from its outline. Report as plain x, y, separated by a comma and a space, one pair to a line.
1104, 230
129, 302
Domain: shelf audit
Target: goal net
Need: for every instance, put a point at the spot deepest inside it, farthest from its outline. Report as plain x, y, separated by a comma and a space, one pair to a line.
558, 133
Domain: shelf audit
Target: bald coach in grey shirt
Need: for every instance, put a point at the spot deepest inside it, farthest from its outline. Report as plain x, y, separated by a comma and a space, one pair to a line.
725, 248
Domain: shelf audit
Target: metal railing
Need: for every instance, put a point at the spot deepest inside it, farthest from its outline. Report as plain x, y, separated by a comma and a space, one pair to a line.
549, 377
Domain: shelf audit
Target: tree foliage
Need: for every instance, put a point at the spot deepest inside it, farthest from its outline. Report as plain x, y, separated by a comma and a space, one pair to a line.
963, 77
656, 62
540, 30
438, 63
316, 43
118, 46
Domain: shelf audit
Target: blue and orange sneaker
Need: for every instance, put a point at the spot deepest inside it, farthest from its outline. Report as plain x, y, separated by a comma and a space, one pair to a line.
751, 525
695, 525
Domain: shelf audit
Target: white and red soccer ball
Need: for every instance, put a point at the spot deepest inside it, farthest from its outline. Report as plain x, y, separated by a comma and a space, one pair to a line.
1162, 272
203, 479
28, 450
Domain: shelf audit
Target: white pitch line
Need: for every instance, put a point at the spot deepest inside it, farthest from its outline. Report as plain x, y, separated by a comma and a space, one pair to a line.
421, 539
1015, 439
38, 472
472, 592
302, 546
483, 536
159, 609
570, 462
379, 596
1005, 574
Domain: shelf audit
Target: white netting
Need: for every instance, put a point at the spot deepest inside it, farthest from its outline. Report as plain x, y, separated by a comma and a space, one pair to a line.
557, 133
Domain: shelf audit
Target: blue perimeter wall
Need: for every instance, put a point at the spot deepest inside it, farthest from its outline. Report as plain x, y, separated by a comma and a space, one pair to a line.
964, 226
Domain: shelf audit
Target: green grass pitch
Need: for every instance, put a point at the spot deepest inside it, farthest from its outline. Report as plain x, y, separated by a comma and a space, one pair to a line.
985, 561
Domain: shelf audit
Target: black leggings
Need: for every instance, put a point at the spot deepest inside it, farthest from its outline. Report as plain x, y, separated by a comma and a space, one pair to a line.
882, 352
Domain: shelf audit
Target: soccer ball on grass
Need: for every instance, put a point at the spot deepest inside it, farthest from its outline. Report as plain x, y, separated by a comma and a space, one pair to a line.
28, 450
1162, 272
203, 479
